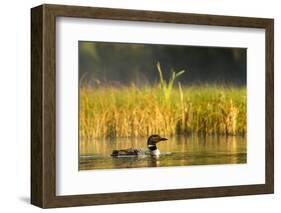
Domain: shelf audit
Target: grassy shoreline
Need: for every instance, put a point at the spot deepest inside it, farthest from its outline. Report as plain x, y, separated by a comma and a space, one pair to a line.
133, 112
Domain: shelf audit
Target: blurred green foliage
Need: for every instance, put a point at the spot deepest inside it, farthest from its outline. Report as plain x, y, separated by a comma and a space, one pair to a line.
106, 63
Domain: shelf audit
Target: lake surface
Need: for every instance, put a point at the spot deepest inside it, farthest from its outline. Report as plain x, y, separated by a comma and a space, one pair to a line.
177, 151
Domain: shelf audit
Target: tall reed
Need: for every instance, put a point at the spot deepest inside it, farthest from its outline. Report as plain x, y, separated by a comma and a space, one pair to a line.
167, 86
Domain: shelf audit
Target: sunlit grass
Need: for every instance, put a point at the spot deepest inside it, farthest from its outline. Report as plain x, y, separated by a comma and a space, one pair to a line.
132, 112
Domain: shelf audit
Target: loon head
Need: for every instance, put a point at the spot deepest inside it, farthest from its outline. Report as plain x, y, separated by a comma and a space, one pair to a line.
151, 143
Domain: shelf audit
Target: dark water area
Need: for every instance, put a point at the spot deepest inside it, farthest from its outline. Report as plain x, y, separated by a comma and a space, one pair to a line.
177, 151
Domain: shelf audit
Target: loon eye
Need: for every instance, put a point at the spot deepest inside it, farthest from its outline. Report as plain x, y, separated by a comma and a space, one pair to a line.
155, 138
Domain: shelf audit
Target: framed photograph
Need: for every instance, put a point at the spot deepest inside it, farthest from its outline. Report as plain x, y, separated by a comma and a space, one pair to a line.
137, 106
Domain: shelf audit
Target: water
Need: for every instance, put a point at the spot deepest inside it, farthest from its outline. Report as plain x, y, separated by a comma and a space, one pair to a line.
177, 151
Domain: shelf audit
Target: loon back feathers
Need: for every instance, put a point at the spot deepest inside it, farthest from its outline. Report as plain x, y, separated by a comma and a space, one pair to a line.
130, 151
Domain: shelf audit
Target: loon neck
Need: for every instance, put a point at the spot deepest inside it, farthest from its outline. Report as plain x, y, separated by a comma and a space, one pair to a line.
152, 147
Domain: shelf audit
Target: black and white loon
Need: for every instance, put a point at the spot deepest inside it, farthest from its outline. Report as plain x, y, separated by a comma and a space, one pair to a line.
151, 145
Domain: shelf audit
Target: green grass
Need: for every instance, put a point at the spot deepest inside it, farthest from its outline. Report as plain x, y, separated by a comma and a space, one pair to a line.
132, 112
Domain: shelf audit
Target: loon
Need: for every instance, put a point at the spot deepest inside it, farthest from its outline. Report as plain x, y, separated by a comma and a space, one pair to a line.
151, 145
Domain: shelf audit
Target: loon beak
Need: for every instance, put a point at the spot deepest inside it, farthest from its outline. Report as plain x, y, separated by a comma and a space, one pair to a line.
163, 139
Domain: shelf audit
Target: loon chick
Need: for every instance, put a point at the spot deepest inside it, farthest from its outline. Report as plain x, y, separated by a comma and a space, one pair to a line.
151, 145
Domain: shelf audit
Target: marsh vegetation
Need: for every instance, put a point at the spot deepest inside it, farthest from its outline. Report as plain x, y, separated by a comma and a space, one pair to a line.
128, 111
